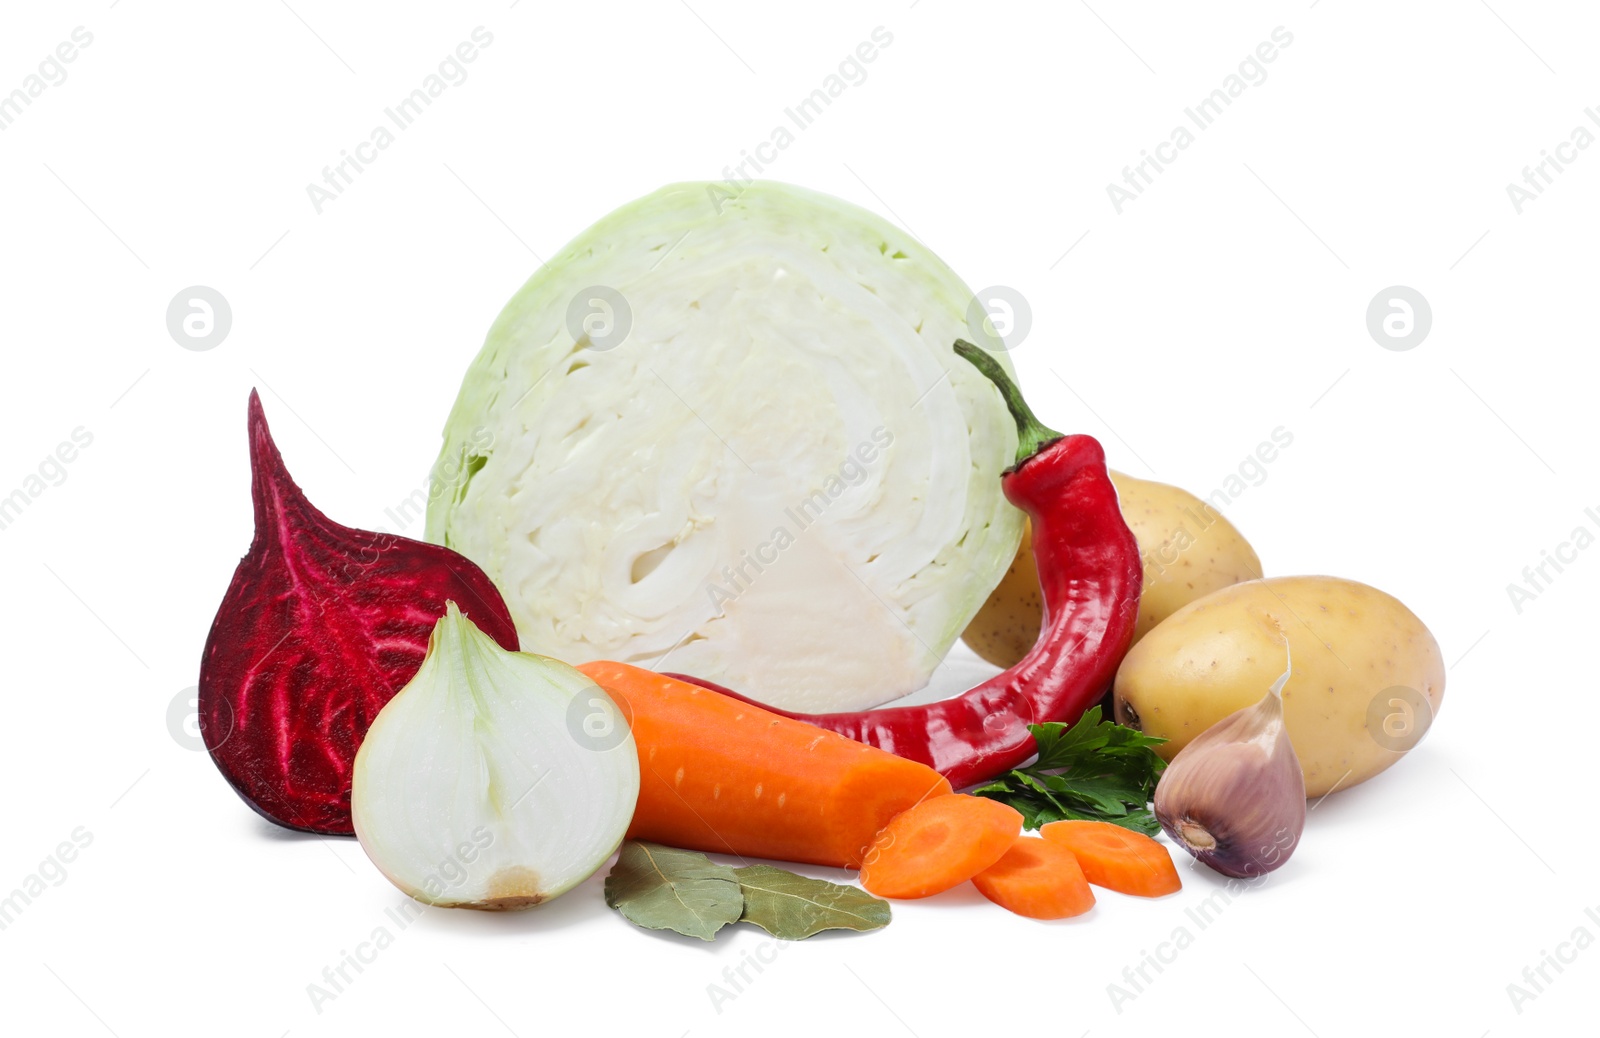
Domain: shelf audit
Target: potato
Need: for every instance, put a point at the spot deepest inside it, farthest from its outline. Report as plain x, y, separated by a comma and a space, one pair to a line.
1189, 550
1008, 623
1368, 676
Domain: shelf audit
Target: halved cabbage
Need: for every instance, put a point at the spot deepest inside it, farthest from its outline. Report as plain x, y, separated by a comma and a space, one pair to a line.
726, 434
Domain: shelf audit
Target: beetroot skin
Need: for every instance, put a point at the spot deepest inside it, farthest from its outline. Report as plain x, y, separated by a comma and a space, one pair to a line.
321, 626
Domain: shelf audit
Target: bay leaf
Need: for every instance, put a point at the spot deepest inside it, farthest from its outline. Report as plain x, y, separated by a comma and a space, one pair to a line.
792, 907
663, 888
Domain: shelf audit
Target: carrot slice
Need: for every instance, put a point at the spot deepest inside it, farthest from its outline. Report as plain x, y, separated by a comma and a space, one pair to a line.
938, 844
1038, 879
1116, 858
720, 775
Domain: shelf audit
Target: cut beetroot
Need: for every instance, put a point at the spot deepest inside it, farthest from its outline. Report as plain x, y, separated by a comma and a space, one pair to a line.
321, 626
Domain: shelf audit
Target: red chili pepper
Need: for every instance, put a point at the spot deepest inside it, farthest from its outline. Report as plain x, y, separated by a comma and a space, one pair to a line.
1090, 573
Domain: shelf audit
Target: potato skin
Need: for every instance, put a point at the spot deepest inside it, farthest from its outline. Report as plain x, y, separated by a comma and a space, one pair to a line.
1008, 623
1188, 547
1356, 650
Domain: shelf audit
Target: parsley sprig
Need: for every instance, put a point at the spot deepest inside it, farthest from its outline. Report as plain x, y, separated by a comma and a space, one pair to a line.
1092, 770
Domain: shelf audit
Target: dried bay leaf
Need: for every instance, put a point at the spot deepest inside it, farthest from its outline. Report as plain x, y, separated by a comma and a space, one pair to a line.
792, 907
663, 888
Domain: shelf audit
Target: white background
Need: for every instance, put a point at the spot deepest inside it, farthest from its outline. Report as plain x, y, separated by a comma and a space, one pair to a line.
1226, 301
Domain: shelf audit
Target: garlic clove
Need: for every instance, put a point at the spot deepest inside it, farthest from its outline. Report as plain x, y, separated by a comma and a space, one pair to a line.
1235, 797
478, 784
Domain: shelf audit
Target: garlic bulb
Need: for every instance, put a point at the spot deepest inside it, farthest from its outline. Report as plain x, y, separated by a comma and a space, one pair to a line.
1235, 797
482, 783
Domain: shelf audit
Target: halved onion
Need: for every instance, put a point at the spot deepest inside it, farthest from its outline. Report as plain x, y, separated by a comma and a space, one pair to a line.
495, 779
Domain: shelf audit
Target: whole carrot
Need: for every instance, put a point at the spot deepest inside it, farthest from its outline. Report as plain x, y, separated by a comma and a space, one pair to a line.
721, 775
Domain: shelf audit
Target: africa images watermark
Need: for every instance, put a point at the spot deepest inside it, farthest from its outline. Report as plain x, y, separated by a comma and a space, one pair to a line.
1536, 979
851, 71
447, 477
51, 72
1251, 472
451, 71
1137, 977
449, 874
52, 872
736, 979
1537, 577
802, 515
1537, 177
51, 472
1203, 115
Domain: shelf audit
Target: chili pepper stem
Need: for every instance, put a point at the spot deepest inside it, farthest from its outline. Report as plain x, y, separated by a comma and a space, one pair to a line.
1032, 434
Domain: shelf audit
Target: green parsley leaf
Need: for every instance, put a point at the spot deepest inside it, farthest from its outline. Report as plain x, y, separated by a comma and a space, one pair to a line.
1091, 770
